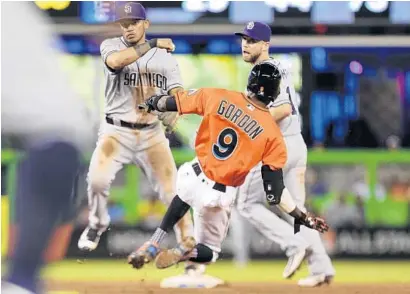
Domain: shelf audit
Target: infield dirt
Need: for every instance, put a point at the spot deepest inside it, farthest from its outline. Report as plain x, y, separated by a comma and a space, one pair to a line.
142, 287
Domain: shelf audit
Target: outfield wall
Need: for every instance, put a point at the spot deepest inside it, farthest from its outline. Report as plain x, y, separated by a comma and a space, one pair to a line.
373, 220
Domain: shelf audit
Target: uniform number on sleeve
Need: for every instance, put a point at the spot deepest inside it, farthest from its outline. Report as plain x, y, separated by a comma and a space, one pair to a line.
226, 144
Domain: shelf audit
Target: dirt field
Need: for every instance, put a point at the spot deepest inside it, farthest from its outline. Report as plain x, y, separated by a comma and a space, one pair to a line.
237, 288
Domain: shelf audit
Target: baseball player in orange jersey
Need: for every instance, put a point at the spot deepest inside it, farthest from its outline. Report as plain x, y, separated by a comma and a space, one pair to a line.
237, 131
135, 69
250, 202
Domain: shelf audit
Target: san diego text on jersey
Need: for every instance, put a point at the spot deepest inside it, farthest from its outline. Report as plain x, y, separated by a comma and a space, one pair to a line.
150, 79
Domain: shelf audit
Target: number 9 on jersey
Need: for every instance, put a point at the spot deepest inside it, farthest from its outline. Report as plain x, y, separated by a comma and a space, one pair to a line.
226, 144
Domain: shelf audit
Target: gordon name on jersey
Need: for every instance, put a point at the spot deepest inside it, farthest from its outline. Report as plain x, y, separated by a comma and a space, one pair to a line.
239, 117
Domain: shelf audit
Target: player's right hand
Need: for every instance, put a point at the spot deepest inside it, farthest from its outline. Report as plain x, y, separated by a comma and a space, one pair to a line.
314, 222
166, 43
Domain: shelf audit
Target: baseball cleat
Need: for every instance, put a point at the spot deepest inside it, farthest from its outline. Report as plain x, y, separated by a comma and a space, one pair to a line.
315, 281
294, 263
145, 254
170, 257
89, 239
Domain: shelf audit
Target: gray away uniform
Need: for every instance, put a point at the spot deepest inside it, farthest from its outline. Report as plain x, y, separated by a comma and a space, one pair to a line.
156, 72
251, 200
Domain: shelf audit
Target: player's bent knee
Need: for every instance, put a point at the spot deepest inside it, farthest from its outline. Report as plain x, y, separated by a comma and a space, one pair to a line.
186, 198
98, 184
245, 210
204, 254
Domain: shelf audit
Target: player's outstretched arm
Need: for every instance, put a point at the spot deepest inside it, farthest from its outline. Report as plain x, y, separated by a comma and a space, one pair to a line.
119, 59
185, 102
278, 194
161, 103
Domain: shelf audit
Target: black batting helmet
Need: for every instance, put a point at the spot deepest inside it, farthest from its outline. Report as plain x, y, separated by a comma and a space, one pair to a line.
264, 82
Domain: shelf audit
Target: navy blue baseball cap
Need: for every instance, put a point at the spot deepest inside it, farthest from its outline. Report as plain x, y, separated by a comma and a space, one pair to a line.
256, 30
129, 10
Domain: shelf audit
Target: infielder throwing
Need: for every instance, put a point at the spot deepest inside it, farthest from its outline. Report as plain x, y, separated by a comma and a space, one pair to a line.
251, 202
135, 69
237, 132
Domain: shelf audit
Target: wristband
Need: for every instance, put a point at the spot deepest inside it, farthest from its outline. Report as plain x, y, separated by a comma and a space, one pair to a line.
153, 43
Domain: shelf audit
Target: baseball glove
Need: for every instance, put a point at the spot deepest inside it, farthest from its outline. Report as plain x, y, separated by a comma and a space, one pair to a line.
169, 120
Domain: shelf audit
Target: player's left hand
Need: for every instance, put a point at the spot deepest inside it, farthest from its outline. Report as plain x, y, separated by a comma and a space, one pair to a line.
169, 120
315, 223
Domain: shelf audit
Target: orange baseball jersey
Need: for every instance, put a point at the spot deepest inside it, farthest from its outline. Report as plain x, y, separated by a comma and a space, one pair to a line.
235, 134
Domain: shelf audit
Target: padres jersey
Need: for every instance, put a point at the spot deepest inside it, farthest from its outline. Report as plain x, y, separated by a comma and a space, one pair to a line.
155, 73
235, 134
290, 125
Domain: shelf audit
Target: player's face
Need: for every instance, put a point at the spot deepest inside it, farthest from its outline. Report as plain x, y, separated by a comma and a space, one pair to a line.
133, 30
252, 49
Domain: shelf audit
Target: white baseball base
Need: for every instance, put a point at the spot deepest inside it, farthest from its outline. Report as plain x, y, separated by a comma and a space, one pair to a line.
191, 281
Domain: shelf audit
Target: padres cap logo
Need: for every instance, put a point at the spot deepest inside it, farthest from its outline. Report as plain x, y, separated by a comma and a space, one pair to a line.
250, 25
127, 8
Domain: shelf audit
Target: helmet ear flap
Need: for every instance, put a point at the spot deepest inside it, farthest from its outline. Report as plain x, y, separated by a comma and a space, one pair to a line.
253, 88
261, 91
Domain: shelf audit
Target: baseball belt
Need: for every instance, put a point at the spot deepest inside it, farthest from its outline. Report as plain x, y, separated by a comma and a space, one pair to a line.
134, 126
218, 187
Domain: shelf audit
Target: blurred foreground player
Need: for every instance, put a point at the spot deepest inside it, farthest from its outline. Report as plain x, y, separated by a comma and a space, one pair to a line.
237, 131
250, 203
39, 107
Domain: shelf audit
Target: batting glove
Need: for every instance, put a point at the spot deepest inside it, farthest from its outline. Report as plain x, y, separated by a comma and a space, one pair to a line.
313, 222
150, 104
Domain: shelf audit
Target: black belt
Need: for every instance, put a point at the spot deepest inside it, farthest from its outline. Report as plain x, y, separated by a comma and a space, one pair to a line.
219, 187
134, 126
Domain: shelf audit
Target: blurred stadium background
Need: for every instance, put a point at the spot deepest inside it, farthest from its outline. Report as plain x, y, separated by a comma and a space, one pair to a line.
352, 74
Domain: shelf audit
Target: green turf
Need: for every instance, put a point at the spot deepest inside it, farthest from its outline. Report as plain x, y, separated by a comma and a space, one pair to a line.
347, 271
